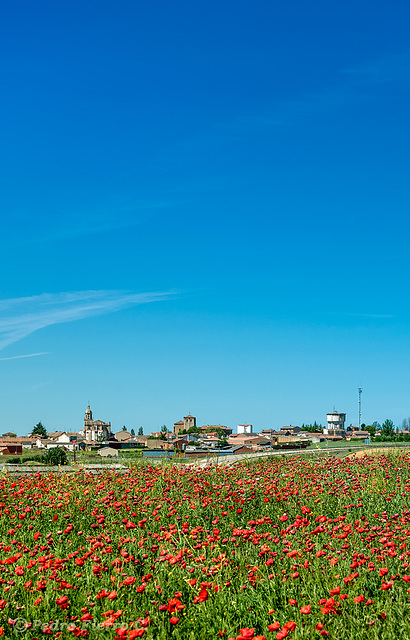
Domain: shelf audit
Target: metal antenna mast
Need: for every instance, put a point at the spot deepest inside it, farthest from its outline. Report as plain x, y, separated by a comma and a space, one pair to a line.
360, 408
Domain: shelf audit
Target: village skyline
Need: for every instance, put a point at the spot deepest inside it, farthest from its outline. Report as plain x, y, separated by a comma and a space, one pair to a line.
140, 429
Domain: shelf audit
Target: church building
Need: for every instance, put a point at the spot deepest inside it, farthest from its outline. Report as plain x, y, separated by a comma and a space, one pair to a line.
95, 430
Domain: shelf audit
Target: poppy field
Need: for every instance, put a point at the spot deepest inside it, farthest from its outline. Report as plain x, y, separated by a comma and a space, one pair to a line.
280, 548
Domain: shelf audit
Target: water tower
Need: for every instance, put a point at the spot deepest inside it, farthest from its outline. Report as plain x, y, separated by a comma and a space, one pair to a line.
335, 422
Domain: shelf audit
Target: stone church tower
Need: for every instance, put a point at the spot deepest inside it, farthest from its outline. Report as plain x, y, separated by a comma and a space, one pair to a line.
88, 416
95, 430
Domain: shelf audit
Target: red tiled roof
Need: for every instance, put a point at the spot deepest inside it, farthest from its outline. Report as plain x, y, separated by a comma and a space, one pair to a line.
17, 440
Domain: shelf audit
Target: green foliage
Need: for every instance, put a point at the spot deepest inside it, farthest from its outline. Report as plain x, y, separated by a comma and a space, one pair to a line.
194, 430
219, 432
54, 457
399, 437
141, 431
13, 460
33, 458
312, 428
39, 430
404, 437
388, 429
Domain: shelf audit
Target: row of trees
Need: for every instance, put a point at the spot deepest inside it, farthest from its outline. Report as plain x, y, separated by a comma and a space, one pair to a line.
132, 432
312, 428
385, 431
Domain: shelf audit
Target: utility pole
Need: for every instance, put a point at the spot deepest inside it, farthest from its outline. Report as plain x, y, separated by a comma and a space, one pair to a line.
360, 408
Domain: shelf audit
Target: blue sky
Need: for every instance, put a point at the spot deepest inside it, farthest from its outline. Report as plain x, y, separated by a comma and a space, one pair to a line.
205, 209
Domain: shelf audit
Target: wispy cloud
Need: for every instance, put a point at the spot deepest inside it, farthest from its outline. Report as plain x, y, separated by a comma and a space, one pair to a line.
19, 317
380, 316
28, 355
370, 315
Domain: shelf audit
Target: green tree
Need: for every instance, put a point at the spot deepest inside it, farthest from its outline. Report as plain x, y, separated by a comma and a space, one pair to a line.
39, 430
371, 429
219, 432
141, 431
55, 456
194, 430
388, 428
124, 428
132, 432
312, 428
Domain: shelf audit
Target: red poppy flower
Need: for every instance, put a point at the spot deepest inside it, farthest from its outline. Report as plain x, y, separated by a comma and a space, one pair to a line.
359, 599
63, 602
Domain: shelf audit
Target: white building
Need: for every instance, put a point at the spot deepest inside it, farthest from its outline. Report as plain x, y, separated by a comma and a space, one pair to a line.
245, 428
335, 424
336, 420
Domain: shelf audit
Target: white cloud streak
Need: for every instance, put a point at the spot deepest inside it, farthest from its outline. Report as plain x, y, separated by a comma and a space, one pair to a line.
19, 317
370, 315
28, 355
379, 316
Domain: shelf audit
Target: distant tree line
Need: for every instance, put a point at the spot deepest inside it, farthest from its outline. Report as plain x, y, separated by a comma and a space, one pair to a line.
387, 432
312, 428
